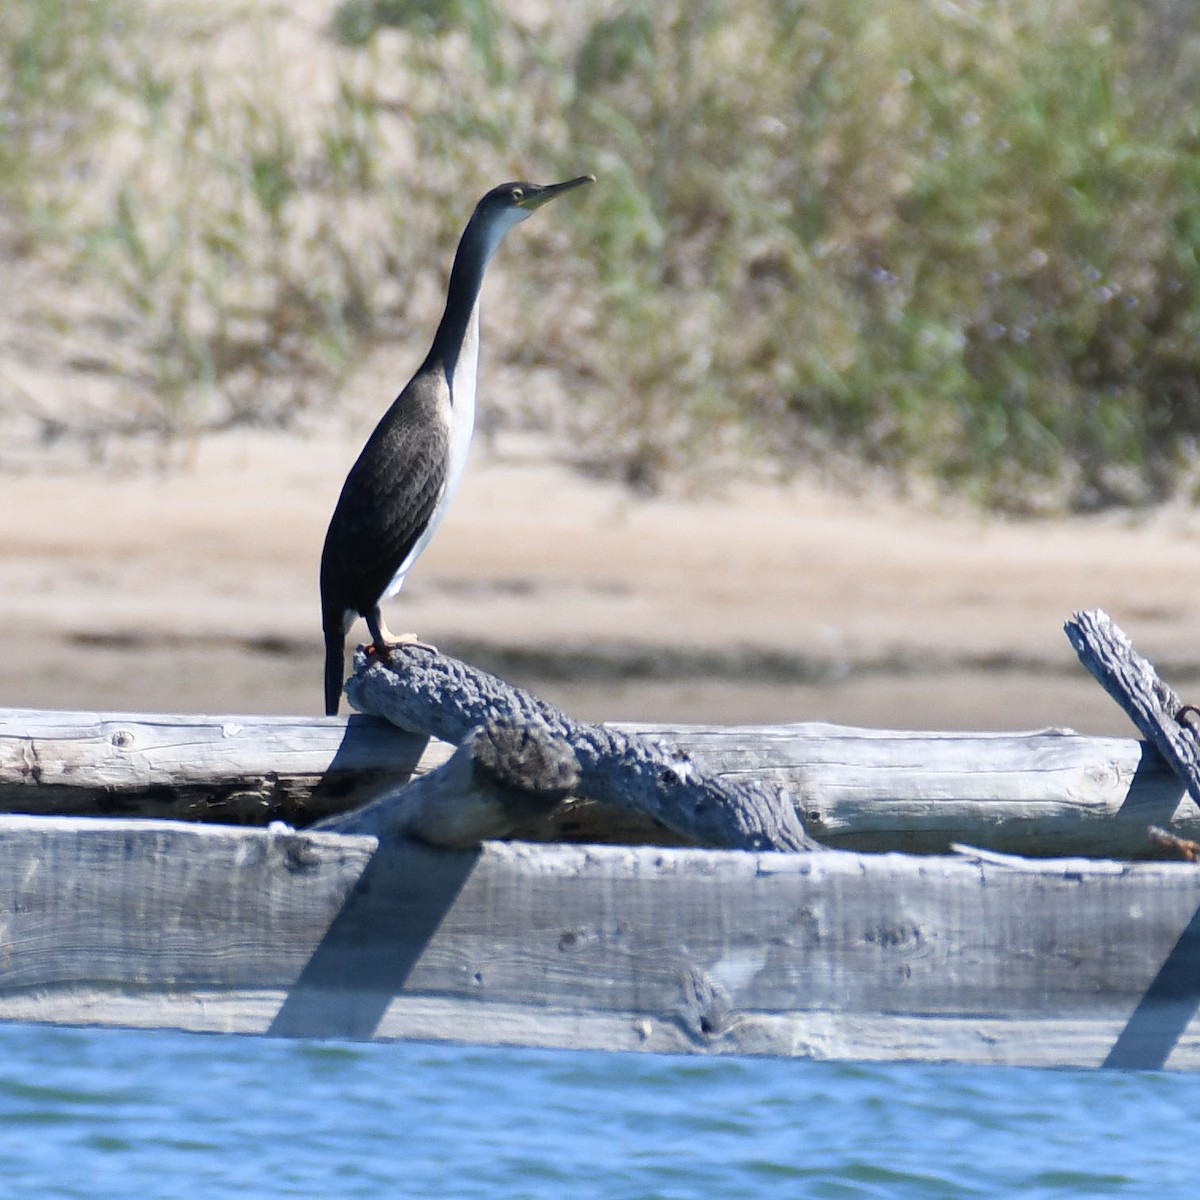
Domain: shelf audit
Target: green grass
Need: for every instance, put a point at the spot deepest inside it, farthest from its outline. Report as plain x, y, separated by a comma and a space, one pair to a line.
960, 249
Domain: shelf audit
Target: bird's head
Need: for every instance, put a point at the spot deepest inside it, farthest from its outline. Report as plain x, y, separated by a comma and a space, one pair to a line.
511, 203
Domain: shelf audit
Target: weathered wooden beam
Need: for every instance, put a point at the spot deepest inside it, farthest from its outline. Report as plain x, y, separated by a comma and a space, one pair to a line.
1044, 793
233, 769
968, 958
422, 691
1171, 726
1050, 792
503, 775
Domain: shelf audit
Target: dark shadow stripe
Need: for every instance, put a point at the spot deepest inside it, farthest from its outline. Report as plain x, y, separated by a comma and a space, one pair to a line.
367, 954
1164, 1012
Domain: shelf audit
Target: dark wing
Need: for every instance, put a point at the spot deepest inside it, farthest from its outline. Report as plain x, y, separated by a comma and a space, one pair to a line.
387, 500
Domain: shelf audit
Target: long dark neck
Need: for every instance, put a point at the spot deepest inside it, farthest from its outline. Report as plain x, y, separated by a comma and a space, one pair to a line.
475, 250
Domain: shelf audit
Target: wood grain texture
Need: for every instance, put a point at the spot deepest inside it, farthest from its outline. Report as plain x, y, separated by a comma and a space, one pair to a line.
232, 769
501, 776
969, 958
423, 691
1043, 793
1158, 713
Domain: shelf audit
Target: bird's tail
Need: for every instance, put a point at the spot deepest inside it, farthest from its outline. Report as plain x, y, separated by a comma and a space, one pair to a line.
335, 669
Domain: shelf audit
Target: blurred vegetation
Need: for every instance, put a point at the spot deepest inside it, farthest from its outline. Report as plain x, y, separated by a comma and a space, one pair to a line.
958, 245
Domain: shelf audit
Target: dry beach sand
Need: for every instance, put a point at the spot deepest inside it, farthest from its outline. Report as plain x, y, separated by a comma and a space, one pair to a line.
193, 589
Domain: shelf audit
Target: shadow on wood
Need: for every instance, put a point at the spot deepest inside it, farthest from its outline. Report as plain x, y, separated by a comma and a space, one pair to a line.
382, 929
233, 770
503, 775
369, 761
1165, 1010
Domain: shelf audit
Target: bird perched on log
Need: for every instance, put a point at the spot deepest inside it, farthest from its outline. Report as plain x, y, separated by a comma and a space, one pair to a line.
397, 492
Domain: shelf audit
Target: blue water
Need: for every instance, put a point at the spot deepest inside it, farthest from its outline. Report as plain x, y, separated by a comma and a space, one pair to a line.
160, 1115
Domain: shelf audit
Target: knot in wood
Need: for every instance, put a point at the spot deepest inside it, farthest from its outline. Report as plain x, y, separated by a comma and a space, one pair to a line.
525, 757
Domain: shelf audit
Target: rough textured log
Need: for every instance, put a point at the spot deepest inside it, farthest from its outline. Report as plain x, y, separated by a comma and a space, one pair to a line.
975, 958
1044, 793
1051, 792
502, 776
232, 769
1131, 680
425, 692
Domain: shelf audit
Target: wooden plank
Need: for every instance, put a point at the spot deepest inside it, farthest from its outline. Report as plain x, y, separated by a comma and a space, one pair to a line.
967, 958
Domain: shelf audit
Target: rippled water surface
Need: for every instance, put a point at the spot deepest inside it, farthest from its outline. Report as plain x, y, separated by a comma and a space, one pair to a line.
113, 1114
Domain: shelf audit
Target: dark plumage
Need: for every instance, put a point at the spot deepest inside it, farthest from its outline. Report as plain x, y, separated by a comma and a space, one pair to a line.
399, 489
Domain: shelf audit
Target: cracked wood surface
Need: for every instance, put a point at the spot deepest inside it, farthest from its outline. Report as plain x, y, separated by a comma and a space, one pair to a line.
966, 958
1046, 792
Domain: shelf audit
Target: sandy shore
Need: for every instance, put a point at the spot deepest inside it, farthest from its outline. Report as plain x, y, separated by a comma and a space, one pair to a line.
195, 590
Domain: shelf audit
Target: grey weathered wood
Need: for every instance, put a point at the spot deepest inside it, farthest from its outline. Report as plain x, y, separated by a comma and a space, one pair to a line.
1131, 680
971, 958
234, 769
1048, 792
425, 692
503, 775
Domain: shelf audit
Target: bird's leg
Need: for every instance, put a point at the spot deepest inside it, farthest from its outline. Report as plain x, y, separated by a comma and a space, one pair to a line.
383, 640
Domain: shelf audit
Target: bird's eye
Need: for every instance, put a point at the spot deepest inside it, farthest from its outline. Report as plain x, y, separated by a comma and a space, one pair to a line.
518, 194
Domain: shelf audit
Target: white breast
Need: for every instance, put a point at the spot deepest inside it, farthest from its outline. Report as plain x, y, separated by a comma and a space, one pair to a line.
462, 424
462, 409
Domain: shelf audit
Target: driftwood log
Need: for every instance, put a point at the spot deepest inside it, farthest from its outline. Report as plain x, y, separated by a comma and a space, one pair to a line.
1046, 793
972, 957
422, 691
236, 770
1169, 724
1040, 793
